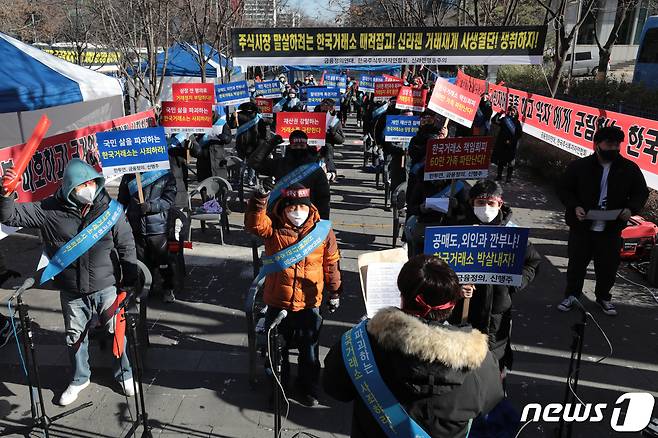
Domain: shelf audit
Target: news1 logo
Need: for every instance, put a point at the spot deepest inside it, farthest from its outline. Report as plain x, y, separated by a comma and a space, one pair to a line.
638, 410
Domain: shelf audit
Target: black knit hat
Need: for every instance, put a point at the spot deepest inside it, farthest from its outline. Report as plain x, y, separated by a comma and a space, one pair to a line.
296, 194
486, 188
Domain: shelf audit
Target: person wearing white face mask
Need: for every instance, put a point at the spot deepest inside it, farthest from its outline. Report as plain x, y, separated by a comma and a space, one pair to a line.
89, 243
298, 288
490, 308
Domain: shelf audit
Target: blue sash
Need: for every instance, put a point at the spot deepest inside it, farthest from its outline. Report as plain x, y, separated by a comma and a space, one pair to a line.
279, 105
148, 178
247, 126
297, 175
417, 167
509, 124
177, 140
459, 185
83, 241
379, 111
360, 364
295, 253
218, 124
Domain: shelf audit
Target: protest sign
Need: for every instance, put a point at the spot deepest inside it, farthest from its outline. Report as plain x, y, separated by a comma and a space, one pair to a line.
482, 45
468, 83
268, 89
412, 99
383, 297
454, 103
132, 151
191, 92
187, 117
265, 107
46, 168
391, 78
401, 128
27, 153
571, 126
339, 81
480, 254
367, 83
315, 96
233, 93
458, 158
313, 124
385, 90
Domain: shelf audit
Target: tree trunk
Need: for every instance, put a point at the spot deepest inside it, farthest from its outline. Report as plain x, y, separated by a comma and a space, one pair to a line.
604, 59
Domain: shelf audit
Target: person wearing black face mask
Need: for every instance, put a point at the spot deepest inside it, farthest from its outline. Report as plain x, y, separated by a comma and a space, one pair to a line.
297, 154
603, 181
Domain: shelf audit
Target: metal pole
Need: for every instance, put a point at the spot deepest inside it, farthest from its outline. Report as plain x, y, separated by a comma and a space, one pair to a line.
573, 43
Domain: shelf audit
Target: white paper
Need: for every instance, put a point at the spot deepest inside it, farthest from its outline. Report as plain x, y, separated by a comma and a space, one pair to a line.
382, 290
43, 261
603, 215
438, 204
6, 230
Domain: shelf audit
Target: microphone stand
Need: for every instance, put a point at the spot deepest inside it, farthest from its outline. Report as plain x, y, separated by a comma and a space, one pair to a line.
574, 366
37, 407
276, 361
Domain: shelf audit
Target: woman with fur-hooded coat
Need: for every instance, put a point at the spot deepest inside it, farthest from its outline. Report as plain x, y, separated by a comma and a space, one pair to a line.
443, 376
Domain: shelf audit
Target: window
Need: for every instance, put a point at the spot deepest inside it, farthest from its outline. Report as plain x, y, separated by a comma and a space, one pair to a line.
580, 56
649, 49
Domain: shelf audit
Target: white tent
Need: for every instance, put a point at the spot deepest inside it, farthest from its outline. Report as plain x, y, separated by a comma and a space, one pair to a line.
33, 83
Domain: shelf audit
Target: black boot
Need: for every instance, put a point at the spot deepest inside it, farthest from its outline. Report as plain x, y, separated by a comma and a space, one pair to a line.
510, 170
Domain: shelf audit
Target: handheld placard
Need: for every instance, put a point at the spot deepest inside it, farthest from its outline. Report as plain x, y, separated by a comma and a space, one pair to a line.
27, 152
140, 191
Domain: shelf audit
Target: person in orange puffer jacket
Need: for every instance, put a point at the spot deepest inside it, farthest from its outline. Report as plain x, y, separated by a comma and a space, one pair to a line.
298, 288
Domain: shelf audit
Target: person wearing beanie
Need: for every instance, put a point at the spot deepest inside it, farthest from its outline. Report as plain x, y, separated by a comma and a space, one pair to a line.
441, 375
504, 152
298, 288
298, 153
490, 308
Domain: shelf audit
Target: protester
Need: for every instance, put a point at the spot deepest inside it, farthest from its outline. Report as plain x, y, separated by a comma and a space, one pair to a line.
292, 102
297, 154
299, 287
482, 121
441, 375
602, 181
209, 149
393, 152
334, 136
510, 133
149, 222
6, 332
359, 107
88, 284
490, 308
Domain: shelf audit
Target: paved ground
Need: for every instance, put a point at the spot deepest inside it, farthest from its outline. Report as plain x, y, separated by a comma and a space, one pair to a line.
196, 376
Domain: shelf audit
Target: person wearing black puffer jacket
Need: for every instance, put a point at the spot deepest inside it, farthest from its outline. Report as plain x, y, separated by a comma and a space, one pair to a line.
490, 308
149, 223
442, 376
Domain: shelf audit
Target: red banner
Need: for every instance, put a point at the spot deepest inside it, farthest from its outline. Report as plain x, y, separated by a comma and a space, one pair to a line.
265, 106
458, 158
313, 124
571, 126
190, 117
385, 90
411, 99
454, 103
192, 92
46, 168
468, 83
390, 78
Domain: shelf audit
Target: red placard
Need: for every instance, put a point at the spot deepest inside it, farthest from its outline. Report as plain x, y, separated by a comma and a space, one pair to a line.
390, 78
411, 99
458, 158
191, 92
571, 127
313, 124
46, 168
192, 117
386, 90
265, 106
454, 102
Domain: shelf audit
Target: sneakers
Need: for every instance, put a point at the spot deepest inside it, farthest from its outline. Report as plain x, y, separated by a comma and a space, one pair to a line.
128, 387
168, 296
607, 307
567, 303
71, 393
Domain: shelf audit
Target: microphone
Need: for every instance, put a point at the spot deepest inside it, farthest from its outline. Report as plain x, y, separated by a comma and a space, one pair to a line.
28, 283
280, 317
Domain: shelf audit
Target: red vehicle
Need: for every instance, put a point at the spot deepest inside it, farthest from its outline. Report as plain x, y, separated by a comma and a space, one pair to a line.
639, 238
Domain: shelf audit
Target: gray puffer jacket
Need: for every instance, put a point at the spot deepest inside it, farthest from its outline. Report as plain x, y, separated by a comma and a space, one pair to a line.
58, 217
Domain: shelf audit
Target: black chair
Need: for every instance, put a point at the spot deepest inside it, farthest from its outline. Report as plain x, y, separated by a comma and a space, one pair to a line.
219, 189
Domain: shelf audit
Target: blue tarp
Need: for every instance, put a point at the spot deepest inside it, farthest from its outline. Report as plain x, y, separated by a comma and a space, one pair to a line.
182, 60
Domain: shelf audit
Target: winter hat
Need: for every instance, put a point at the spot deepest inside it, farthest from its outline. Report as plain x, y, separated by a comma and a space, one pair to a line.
298, 136
486, 188
296, 194
248, 107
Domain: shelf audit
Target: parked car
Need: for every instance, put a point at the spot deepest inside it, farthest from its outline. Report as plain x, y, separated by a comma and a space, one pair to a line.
585, 63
